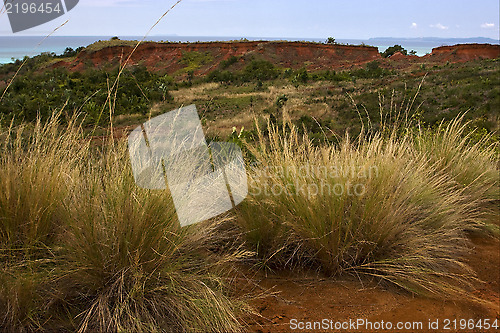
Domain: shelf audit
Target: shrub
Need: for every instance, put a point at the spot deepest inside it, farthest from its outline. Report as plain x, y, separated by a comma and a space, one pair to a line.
38, 94
260, 70
300, 77
227, 63
281, 100
221, 76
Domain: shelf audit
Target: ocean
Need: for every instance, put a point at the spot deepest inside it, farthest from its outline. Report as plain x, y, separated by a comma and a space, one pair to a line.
16, 47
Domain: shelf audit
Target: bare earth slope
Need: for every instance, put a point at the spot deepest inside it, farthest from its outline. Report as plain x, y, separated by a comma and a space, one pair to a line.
171, 57
202, 58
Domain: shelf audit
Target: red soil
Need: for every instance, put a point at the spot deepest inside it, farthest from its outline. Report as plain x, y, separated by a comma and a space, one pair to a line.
308, 298
464, 52
167, 57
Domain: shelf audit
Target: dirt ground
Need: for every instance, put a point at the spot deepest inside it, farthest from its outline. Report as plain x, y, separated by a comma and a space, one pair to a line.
299, 298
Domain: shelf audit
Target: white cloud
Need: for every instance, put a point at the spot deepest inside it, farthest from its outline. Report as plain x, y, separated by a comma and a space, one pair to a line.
414, 25
487, 25
439, 26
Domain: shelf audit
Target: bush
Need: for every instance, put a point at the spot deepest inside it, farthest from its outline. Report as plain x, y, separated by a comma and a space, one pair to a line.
372, 70
300, 77
38, 94
222, 76
281, 100
70, 52
260, 70
227, 63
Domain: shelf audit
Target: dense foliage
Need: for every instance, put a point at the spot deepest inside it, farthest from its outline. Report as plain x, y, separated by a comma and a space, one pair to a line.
394, 49
35, 93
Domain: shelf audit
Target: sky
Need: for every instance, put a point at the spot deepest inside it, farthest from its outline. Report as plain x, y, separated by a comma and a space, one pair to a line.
353, 19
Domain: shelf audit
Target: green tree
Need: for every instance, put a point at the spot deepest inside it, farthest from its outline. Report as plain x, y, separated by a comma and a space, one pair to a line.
330, 40
394, 49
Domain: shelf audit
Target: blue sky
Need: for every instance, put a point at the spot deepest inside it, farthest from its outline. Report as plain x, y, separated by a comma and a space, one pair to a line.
355, 19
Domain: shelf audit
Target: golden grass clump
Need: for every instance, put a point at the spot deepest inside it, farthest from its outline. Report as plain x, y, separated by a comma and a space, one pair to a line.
388, 206
82, 248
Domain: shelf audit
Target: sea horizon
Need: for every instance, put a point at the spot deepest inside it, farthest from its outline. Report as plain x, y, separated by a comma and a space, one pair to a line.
17, 47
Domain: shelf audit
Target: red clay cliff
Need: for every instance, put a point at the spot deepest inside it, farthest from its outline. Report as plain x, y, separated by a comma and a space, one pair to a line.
171, 57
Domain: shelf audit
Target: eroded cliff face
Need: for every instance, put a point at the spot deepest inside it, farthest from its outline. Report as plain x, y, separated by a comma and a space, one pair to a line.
202, 58
464, 52
172, 57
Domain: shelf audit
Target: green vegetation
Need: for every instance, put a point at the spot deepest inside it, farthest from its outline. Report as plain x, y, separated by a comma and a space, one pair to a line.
255, 70
345, 99
327, 96
330, 40
224, 64
394, 49
194, 60
34, 94
70, 52
101, 44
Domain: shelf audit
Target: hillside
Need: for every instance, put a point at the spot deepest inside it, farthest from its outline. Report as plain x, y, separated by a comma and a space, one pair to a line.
202, 58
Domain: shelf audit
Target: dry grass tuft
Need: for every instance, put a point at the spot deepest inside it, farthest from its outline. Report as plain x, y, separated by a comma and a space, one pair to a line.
83, 248
395, 206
